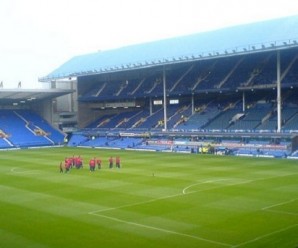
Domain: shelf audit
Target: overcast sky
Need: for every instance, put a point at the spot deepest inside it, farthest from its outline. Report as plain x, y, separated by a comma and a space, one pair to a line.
37, 36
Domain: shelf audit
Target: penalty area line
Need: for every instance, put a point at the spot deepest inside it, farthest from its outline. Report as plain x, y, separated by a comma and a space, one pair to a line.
169, 196
281, 212
269, 208
160, 229
280, 204
134, 204
265, 236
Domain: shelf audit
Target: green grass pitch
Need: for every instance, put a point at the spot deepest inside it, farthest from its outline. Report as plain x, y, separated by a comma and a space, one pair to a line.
153, 200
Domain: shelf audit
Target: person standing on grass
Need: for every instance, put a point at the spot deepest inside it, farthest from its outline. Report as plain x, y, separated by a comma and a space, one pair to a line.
67, 165
98, 162
71, 160
61, 167
78, 162
92, 164
111, 162
118, 162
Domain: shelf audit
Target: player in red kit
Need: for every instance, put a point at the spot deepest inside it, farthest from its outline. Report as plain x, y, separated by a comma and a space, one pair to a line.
92, 164
67, 165
117, 162
111, 162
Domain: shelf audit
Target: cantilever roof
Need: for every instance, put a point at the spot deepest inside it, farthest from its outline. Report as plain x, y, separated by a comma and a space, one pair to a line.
273, 34
22, 96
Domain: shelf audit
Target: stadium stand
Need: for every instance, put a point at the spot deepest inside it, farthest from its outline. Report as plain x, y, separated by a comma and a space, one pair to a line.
185, 94
23, 128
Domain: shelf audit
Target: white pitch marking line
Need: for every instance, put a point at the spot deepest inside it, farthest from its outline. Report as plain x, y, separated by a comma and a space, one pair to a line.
279, 204
27, 172
161, 198
170, 196
180, 194
208, 181
268, 208
162, 230
186, 235
266, 235
135, 204
215, 187
281, 212
233, 184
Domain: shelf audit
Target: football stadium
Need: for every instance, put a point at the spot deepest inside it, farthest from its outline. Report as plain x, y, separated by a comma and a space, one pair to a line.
184, 142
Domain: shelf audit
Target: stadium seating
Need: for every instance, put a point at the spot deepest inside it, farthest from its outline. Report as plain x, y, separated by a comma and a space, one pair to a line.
26, 129
77, 140
258, 70
211, 95
108, 142
252, 117
54, 135
201, 118
223, 120
291, 124
4, 143
294, 155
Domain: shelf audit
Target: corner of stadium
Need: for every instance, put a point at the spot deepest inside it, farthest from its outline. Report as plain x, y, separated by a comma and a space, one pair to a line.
232, 91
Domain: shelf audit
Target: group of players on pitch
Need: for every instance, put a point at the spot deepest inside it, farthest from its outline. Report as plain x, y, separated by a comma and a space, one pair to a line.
77, 162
